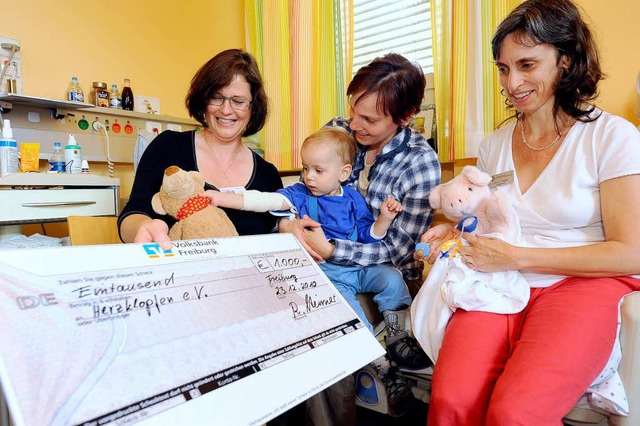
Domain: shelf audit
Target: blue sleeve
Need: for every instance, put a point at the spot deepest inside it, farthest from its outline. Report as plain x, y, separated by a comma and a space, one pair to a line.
363, 217
296, 194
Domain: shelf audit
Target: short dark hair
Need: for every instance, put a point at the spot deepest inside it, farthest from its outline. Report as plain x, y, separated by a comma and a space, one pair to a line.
558, 23
218, 73
398, 84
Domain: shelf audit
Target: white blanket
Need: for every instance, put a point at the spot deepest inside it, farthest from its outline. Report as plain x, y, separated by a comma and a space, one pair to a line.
451, 285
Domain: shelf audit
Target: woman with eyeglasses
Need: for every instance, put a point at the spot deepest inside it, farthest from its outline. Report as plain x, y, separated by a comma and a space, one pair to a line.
227, 97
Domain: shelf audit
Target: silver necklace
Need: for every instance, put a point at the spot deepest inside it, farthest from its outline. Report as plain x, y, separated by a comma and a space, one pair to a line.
542, 148
223, 170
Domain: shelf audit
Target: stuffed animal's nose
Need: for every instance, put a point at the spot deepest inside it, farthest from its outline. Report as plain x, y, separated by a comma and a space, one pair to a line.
459, 202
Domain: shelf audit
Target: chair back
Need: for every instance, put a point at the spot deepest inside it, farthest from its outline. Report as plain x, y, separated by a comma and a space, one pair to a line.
92, 230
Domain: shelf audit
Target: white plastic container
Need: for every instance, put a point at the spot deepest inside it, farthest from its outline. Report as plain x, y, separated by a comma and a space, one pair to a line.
73, 156
8, 151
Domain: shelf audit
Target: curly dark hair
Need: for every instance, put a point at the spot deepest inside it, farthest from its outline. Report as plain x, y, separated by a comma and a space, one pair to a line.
218, 73
558, 23
398, 83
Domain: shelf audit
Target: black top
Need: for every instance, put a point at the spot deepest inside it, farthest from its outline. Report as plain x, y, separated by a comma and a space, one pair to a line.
178, 149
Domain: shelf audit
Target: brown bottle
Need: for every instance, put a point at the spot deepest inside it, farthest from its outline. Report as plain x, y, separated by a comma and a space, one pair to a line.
127, 96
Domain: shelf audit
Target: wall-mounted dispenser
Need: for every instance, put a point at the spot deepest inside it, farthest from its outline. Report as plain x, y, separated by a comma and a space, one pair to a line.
10, 66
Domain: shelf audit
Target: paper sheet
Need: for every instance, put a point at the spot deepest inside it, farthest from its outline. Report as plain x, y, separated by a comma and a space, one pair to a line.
216, 331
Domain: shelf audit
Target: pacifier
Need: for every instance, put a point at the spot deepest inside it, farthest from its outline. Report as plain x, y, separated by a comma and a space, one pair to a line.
421, 248
450, 248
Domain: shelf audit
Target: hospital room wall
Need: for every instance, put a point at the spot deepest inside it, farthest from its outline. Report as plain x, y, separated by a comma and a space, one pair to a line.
157, 45
616, 29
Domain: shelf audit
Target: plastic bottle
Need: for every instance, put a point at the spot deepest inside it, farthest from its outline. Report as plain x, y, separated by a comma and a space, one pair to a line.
56, 159
127, 96
115, 100
8, 151
73, 156
75, 92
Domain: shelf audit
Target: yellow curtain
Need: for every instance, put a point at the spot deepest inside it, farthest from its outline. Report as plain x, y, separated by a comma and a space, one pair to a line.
299, 48
345, 42
495, 11
452, 71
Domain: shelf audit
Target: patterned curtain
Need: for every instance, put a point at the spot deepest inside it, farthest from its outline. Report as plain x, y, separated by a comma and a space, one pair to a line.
495, 12
300, 46
467, 91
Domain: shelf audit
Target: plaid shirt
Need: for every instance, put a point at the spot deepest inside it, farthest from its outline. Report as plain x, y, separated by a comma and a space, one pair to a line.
407, 169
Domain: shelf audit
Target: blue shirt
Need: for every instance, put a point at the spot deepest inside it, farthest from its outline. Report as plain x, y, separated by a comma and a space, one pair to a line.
339, 215
408, 169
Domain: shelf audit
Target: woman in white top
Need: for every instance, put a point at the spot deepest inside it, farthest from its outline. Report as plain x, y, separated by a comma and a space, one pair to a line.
575, 186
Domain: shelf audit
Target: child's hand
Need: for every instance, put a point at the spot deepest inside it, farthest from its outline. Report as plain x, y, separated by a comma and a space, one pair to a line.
390, 208
214, 195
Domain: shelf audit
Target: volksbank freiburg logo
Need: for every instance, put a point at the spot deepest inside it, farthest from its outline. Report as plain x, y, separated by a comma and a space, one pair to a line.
154, 251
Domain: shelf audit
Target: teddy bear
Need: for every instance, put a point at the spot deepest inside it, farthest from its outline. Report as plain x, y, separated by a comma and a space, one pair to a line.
469, 194
180, 198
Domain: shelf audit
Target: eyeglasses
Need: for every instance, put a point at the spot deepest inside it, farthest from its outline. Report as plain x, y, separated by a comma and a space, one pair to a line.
236, 102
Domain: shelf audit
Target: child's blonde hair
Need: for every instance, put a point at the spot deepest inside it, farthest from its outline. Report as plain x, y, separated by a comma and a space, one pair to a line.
343, 143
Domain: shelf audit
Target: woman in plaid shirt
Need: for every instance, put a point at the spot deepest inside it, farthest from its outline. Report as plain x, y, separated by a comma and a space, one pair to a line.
392, 160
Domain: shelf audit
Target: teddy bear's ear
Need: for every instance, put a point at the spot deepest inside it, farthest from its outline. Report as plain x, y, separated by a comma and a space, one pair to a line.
198, 178
434, 197
476, 176
156, 204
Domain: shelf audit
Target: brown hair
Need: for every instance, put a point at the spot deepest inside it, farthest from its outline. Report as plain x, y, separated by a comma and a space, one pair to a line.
218, 73
343, 143
398, 84
558, 23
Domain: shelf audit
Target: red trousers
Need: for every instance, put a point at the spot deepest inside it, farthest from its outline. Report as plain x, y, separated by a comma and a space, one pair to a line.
528, 368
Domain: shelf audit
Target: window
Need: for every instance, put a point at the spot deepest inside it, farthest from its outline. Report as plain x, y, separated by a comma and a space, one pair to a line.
400, 26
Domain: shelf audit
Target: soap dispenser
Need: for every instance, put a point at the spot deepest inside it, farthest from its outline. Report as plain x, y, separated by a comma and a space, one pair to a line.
73, 156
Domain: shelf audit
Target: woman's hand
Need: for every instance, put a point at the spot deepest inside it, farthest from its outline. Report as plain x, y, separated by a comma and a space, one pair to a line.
154, 231
434, 237
297, 228
487, 254
318, 242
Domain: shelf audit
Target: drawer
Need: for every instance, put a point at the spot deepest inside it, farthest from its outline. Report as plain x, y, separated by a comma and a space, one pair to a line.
56, 204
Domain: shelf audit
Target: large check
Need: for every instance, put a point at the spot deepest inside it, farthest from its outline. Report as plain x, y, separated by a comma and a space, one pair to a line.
215, 331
